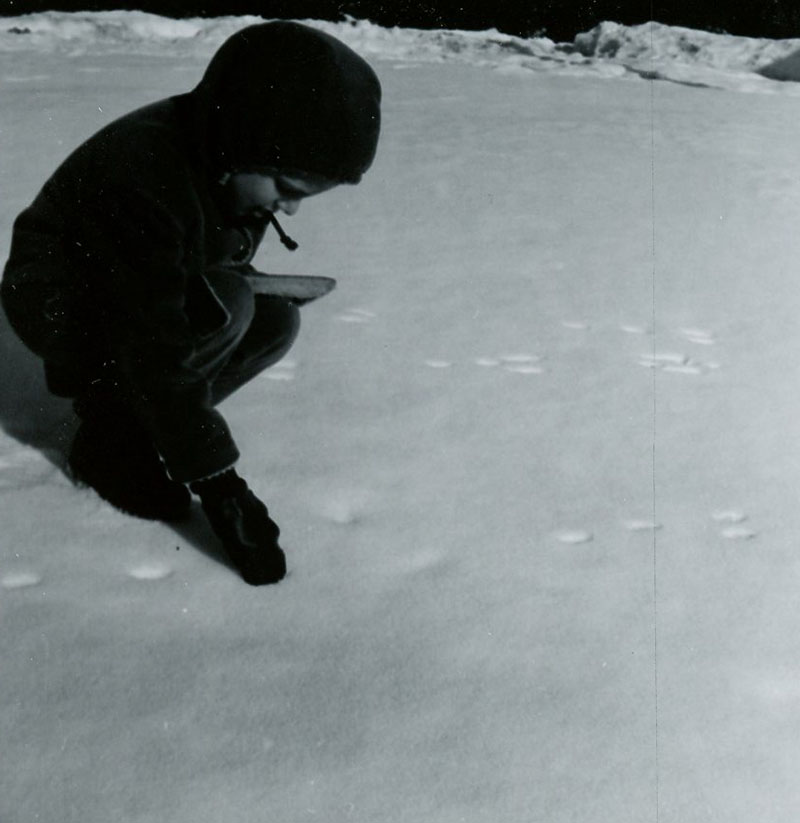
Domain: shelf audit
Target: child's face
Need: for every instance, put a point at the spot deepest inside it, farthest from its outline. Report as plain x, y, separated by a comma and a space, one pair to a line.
253, 192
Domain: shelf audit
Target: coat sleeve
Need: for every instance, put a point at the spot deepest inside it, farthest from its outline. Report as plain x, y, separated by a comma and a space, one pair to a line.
141, 229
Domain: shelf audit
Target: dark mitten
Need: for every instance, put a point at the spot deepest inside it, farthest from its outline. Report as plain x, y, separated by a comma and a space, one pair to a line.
242, 523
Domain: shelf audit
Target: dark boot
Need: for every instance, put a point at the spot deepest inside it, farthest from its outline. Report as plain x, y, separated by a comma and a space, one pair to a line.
242, 523
114, 455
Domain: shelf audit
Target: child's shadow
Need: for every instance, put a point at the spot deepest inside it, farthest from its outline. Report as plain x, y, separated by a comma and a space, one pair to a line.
32, 416
197, 532
28, 412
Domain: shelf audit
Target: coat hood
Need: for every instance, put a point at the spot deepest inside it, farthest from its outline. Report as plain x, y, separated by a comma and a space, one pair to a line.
286, 96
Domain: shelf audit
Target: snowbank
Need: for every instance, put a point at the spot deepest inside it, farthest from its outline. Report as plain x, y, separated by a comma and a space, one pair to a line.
657, 44
148, 33
652, 49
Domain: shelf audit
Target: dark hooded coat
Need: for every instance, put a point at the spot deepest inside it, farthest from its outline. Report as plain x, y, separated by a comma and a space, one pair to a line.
106, 271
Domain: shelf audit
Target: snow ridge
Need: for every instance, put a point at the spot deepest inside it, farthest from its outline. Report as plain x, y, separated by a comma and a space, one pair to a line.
650, 50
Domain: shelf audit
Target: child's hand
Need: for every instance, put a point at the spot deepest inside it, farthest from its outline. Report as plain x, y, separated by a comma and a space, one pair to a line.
242, 523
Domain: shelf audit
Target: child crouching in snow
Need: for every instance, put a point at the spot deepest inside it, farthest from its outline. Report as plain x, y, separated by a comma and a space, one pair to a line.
128, 273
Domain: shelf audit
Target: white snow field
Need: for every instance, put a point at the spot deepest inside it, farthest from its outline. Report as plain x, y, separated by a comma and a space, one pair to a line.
535, 461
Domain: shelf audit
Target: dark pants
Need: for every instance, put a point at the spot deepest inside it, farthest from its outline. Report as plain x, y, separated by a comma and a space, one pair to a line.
259, 332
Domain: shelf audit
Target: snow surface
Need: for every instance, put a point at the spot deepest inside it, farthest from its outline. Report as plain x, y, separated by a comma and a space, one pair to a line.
534, 460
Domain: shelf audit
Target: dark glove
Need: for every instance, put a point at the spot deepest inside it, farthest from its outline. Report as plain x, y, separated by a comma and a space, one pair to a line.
242, 523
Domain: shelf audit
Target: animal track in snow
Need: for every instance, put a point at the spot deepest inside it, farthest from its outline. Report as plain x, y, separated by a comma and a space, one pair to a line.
520, 358
689, 368
733, 520
356, 315
282, 370
574, 537
150, 570
728, 516
516, 363
20, 580
674, 362
631, 328
641, 525
678, 362
701, 337
345, 506
523, 368
738, 533
521, 363
661, 359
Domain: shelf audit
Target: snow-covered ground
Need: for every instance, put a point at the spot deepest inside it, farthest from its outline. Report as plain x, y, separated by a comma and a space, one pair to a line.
535, 461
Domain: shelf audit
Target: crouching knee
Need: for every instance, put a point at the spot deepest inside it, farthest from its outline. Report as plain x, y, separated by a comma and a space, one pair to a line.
275, 327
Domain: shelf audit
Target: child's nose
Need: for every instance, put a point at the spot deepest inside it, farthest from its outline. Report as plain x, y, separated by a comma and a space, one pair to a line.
288, 205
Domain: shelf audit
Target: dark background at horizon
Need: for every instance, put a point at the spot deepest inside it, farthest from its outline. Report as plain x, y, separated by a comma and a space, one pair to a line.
558, 19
